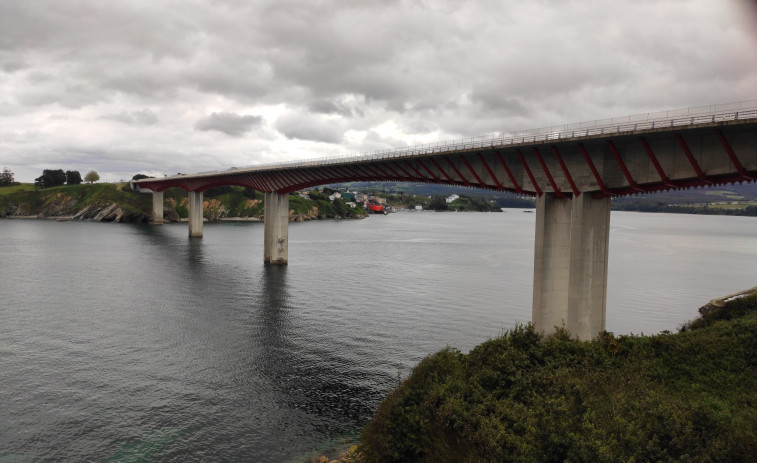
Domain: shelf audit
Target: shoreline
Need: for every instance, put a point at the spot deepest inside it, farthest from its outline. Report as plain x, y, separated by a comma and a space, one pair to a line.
67, 218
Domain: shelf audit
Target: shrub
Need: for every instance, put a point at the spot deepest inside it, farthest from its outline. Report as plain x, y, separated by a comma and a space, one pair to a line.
519, 398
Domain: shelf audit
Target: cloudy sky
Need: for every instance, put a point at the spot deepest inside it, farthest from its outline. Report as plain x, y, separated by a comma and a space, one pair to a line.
161, 87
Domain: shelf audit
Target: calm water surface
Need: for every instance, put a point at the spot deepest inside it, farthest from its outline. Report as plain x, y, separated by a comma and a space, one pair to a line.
128, 343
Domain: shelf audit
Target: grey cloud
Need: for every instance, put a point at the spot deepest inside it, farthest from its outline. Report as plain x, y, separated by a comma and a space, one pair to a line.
345, 107
310, 127
458, 68
143, 117
229, 123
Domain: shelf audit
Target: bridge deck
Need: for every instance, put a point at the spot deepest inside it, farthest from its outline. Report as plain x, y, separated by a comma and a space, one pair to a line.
616, 157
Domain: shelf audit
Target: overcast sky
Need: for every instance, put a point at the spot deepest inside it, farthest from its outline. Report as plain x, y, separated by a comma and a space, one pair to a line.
161, 87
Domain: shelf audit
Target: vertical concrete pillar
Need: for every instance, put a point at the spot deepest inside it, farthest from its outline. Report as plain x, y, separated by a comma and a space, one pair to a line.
551, 262
589, 251
157, 207
276, 225
195, 213
570, 264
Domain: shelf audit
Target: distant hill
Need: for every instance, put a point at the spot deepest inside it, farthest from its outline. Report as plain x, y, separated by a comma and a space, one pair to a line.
735, 199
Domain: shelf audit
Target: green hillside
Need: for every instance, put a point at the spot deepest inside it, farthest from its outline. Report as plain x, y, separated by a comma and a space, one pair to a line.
117, 202
25, 200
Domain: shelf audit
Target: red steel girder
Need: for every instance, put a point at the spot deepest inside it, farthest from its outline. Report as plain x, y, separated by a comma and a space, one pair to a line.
528, 171
663, 177
370, 170
467, 164
623, 167
291, 180
702, 176
732, 155
263, 179
565, 171
417, 172
436, 179
383, 172
397, 165
266, 178
363, 170
246, 180
352, 173
600, 183
299, 177
466, 182
394, 172
252, 180
305, 175
509, 174
321, 176
316, 177
420, 176
555, 188
489, 170
444, 172
282, 181
272, 181
277, 181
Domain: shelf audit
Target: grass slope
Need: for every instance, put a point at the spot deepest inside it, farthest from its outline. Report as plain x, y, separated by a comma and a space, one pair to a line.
229, 201
688, 397
69, 199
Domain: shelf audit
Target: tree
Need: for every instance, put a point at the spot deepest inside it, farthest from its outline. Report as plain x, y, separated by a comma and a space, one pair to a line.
6, 178
140, 177
73, 177
438, 203
91, 177
50, 178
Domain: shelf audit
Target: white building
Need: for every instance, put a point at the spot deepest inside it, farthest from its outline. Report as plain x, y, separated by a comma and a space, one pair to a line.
452, 197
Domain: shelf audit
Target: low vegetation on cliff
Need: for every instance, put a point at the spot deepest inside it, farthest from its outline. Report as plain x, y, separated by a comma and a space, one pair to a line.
104, 202
688, 396
118, 203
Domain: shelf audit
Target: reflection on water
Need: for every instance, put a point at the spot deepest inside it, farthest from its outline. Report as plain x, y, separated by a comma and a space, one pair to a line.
122, 343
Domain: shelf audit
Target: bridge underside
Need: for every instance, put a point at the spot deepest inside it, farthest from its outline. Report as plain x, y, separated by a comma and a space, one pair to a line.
604, 165
573, 178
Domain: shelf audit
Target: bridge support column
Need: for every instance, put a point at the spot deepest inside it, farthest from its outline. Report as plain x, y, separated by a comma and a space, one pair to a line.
157, 207
276, 224
570, 264
195, 214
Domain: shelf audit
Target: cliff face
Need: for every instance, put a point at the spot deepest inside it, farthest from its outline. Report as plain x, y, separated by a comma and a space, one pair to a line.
98, 212
104, 203
311, 214
109, 203
109, 212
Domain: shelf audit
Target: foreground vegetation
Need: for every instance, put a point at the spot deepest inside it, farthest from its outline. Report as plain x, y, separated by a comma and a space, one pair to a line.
689, 396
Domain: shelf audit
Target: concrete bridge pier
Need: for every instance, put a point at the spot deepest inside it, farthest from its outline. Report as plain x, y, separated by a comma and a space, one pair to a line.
570, 264
195, 214
276, 225
157, 207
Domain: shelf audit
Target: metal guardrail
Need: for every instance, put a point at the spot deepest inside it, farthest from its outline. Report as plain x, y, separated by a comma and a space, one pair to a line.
674, 118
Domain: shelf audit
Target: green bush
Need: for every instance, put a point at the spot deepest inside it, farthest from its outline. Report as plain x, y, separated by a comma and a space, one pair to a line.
670, 397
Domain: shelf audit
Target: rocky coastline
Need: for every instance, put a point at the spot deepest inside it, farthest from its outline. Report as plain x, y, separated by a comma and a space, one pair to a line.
108, 203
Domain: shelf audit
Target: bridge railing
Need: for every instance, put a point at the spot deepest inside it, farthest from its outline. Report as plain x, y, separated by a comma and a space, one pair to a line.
673, 118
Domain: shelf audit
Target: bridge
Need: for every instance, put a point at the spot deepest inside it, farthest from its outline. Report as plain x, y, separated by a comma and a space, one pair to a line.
573, 170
